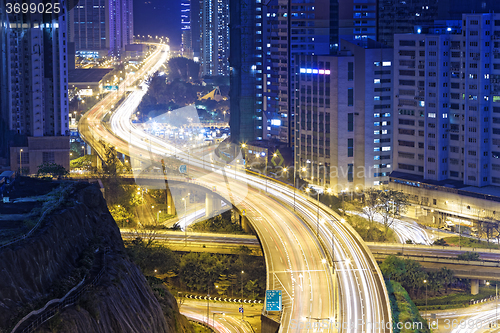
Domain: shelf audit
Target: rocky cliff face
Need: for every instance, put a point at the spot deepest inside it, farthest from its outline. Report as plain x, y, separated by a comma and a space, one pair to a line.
31, 271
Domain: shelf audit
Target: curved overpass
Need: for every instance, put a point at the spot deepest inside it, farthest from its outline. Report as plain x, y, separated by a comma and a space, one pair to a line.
297, 259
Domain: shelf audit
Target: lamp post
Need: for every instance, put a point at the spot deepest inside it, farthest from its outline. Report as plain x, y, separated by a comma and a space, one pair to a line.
317, 217
241, 303
343, 210
425, 282
265, 171
20, 162
185, 218
208, 305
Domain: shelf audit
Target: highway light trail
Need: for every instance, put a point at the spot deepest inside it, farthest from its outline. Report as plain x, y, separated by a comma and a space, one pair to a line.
295, 260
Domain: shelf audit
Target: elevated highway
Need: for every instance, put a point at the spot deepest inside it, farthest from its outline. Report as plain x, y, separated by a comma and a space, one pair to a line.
301, 246
431, 257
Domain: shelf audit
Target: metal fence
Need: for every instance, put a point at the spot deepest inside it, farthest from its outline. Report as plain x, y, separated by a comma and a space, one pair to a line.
29, 233
56, 305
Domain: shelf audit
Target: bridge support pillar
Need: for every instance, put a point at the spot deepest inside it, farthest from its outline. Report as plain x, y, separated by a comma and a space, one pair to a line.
212, 204
245, 224
209, 205
96, 161
169, 202
474, 286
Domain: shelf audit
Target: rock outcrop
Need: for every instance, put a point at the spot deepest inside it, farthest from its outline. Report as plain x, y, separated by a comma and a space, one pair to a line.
122, 301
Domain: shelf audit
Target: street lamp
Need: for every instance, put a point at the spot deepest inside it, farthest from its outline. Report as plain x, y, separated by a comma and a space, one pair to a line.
496, 303
20, 162
425, 282
317, 221
343, 210
185, 217
241, 303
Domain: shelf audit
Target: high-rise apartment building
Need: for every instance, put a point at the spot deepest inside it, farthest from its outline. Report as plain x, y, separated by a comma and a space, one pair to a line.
4, 92
365, 19
214, 46
121, 26
400, 17
187, 40
247, 87
290, 29
381, 19
447, 92
282, 29
88, 28
343, 113
36, 105
101, 27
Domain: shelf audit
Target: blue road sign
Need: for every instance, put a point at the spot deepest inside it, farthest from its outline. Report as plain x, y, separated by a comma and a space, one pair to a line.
183, 168
241, 309
273, 300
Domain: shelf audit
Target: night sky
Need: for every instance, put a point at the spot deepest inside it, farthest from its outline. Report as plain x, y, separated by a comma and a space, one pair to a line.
158, 17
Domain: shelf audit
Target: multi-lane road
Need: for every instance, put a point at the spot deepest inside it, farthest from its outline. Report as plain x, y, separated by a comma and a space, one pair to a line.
300, 246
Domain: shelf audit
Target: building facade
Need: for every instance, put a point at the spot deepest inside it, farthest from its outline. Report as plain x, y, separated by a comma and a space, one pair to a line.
89, 27
343, 112
381, 19
447, 90
291, 29
121, 26
215, 35
247, 87
36, 79
187, 39
281, 29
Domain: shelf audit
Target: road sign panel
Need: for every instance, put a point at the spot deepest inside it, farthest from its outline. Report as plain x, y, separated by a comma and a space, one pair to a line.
183, 168
277, 159
110, 88
241, 309
273, 300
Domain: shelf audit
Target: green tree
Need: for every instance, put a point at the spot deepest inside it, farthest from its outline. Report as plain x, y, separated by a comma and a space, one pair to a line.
120, 215
111, 166
252, 286
182, 68
51, 169
392, 203
469, 256
447, 276
414, 276
233, 279
371, 202
222, 284
440, 242
435, 282
393, 268
82, 163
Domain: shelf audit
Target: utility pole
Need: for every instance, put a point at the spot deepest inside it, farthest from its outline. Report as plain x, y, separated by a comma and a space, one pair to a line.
242, 272
20, 162
317, 221
208, 306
